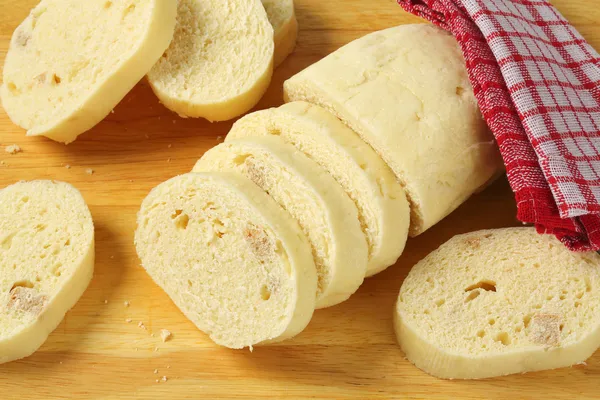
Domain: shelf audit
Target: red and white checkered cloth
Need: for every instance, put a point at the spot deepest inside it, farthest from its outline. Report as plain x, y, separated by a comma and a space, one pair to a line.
537, 82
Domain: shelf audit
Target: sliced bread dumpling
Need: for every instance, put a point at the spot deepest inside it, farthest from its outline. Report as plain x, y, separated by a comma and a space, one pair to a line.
382, 206
220, 61
46, 261
406, 92
235, 263
323, 210
282, 17
70, 62
500, 302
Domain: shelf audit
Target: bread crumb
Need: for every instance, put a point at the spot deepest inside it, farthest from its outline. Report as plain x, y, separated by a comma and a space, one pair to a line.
89, 171
168, 366
174, 122
112, 111
67, 166
164, 379
155, 349
156, 371
141, 325
128, 320
126, 303
219, 138
157, 381
168, 160
152, 334
170, 145
60, 362
136, 349
146, 136
165, 335
131, 180
13, 149
105, 301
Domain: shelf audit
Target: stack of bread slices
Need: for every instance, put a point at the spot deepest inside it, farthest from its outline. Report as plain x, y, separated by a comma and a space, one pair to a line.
302, 202
203, 58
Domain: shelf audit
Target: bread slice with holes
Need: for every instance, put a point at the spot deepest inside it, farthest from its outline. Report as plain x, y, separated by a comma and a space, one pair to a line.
282, 17
235, 263
383, 211
220, 62
326, 214
70, 62
406, 92
46, 261
499, 302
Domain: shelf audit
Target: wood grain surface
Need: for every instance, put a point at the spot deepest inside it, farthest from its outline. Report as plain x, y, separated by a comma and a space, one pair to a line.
347, 351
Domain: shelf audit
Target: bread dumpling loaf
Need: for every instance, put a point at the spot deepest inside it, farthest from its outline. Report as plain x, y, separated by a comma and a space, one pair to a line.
70, 62
282, 17
235, 263
325, 213
382, 207
500, 302
46, 261
220, 61
406, 92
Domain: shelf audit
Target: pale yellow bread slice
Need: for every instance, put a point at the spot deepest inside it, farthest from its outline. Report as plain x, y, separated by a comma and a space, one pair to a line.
235, 263
70, 62
382, 207
323, 210
499, 302
406, 92
282, 17
220, 61
46, 261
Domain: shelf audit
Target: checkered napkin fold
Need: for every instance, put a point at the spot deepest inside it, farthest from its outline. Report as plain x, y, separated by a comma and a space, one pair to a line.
537, 82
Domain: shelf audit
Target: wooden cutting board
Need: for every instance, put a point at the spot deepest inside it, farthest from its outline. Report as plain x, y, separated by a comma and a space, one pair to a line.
348, 351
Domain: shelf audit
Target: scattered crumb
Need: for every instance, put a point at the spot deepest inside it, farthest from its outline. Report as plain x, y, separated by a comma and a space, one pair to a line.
152, 334
169, 146
165, 335
146, 136
131, 180
67, 166
156, 371
126, 304
157, 381
141, 325
13, 149
136, 349
60, 362
164, 379
111, 257
2, 162
219, 138
168, 366
89, 171
174, 122
105, 301
168, 160
128, 320
156, 349
112, 111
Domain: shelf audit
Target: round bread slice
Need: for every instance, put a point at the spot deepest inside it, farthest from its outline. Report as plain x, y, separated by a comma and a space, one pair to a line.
383, 211
324, 211
46, 261
230, 258
70, 62
406, 92
285, 26
220, 62
500, 302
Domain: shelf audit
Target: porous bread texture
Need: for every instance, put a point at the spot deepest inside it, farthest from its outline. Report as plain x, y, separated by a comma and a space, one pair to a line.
499, 302
220, 61
383, 210
46, 261
282, 17
325, 213
235, 263
406, 92
70, 62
